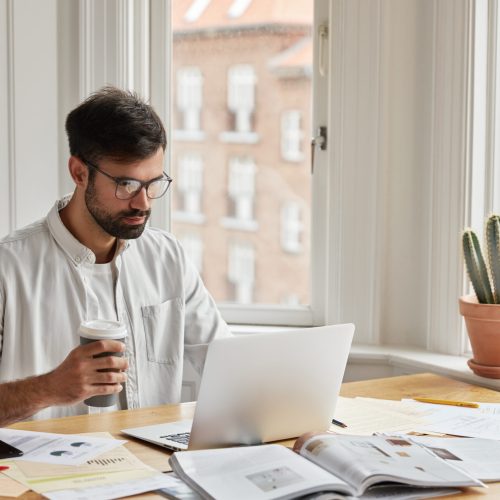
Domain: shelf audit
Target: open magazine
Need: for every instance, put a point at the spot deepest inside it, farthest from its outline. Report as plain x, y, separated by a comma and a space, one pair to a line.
347, 465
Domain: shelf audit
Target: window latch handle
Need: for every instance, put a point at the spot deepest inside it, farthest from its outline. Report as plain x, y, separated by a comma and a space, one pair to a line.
321, 140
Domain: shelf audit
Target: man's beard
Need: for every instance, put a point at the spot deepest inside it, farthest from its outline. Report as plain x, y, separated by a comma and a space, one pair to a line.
112, 224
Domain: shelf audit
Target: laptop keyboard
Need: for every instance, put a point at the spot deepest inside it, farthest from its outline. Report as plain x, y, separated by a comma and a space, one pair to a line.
182, 437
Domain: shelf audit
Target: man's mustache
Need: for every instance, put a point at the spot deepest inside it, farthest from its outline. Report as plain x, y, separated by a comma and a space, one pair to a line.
136, 213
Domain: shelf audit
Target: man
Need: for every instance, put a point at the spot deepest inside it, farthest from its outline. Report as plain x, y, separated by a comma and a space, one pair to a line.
93, 257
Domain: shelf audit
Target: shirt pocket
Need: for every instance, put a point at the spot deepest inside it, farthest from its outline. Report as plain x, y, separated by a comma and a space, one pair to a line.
164, 331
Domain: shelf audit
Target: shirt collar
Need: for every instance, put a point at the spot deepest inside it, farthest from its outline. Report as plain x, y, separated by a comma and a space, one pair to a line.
77, 252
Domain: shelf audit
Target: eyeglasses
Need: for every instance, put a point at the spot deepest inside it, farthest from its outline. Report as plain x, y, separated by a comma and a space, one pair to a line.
127, 188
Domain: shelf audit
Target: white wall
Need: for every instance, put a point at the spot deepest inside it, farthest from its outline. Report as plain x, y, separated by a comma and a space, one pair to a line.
28, 95
4, 121
69, 82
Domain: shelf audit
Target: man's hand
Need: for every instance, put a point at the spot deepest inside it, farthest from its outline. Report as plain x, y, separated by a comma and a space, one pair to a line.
81, 375
78, 377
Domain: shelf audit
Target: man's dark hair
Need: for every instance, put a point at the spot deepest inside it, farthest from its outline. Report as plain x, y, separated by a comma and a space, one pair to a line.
115, 124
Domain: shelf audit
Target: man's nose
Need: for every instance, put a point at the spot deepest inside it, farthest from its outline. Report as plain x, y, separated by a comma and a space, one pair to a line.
140, 201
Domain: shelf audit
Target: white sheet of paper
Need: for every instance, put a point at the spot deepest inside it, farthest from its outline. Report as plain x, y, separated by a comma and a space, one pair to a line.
110, 492
478, 425
364, 417
11, 488
62, 449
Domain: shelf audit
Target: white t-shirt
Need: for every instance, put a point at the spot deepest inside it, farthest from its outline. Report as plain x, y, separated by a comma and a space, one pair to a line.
102, 285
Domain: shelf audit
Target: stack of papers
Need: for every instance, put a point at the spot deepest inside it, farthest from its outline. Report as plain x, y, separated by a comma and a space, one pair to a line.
475, 448
61, 449
366, 416
52, 468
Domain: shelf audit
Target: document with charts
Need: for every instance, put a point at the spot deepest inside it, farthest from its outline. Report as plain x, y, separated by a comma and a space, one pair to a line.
347, 465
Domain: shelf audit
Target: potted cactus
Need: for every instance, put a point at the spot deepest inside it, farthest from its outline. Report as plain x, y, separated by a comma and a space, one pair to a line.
481, 311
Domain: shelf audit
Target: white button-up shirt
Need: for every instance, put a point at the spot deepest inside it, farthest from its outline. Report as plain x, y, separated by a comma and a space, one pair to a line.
44, 296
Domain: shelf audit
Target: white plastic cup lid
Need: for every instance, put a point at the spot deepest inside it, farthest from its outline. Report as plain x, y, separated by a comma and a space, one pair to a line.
100, 329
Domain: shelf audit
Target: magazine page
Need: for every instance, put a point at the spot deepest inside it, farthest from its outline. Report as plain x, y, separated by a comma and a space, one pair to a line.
392, 492
365, 460
480, 458
253, 472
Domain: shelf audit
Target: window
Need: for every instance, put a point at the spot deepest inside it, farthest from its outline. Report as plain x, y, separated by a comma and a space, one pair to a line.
241, 188
291, 136
238, 7
190, 97
195, 10
291, 227
193, 245
241, 81
233, 81
190, 182
241, 272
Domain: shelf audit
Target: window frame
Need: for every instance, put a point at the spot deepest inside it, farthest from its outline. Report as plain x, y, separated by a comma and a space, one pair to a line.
256, 314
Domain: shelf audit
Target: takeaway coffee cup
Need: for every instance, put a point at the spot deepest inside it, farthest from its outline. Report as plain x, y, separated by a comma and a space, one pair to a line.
91, 331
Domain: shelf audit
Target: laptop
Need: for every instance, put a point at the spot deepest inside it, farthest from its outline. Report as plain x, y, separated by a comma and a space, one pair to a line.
261, 387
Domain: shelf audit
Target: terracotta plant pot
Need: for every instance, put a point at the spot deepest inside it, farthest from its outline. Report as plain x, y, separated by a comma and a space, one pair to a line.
483, 327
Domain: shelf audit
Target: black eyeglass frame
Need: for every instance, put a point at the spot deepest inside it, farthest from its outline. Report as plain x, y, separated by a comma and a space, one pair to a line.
145, 185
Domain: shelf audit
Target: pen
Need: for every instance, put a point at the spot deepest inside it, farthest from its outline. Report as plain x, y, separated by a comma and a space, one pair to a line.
465, 404
3, 467
338, 422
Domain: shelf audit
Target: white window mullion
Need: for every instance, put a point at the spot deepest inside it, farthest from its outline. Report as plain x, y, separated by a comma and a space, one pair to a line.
349, 175
481, 173
493, 106
450, 163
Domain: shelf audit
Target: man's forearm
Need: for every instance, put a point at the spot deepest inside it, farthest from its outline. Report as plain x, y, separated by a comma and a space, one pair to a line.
23, 398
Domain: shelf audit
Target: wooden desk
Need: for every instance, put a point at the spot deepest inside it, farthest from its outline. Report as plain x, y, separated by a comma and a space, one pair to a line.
407, 386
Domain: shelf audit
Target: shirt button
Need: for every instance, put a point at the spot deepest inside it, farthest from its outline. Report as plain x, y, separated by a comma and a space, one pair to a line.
77, 259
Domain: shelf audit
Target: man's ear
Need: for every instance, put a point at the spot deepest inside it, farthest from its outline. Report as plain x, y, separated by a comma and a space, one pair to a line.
78, 171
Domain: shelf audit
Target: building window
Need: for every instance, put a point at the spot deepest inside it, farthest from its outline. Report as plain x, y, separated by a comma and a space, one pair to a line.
241, 96
193, 246
190, 182
195, 10
242, 188
291, 299
238, 8
190, 97
291, 136
241, 272
291, 227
